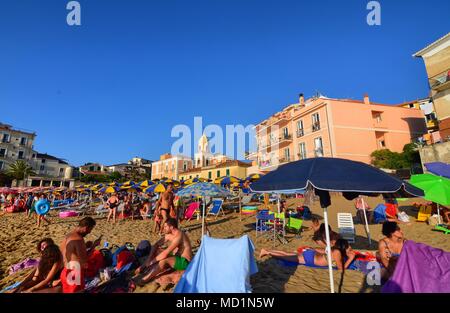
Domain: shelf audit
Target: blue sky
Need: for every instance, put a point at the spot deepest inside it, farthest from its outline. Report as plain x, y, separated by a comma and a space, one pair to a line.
114, 87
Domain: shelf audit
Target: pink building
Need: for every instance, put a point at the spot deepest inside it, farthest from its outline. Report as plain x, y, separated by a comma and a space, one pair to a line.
341, 128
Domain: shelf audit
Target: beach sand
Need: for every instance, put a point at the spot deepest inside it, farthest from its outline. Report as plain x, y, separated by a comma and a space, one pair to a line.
19, 236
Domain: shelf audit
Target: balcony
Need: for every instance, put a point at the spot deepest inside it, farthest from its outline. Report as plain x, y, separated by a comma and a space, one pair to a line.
285, 137
432, 124
284, 160
316, 126
441, 81
300, 133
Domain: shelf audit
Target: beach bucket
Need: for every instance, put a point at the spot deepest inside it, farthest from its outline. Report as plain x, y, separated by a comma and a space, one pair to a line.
65, 214
42, 207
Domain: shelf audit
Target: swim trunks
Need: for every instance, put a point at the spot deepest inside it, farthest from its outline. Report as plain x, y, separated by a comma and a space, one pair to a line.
180, 263
69, 286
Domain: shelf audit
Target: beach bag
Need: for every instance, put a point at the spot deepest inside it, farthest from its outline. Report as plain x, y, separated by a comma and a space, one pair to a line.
107, 257
402, 216
433, 220
143, 249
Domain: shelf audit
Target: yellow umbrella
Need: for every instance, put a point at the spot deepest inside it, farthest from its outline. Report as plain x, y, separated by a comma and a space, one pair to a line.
146, 183
155, 189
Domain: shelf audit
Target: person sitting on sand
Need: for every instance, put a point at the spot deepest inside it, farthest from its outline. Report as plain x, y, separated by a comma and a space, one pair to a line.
46, 277
390, 247
43, 243
341, 254
75, 256
176, 256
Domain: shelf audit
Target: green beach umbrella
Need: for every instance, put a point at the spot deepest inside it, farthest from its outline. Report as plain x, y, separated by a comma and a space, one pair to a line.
436, 188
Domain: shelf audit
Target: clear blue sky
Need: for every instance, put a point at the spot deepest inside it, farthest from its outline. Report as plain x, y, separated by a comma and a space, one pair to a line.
114, 87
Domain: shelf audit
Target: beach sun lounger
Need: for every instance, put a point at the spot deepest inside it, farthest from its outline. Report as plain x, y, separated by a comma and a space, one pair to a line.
216, 208
191, 210
346, 226
101, 210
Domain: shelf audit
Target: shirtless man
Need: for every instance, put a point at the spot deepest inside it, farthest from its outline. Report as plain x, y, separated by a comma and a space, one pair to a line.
75, 253
177, 255
165, 204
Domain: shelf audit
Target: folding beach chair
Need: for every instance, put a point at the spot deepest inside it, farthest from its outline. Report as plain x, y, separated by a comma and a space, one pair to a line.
295, 224
346, 227
101, 210
216, 208
424, 213
246, 199
191, 210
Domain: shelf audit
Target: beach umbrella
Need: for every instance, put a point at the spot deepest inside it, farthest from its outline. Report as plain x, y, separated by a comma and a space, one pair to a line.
146, 183
254, 177
109, 189
155, 188
193, 181
438, 168
436, 188
322, 175
134, 188
226, 180
203, 190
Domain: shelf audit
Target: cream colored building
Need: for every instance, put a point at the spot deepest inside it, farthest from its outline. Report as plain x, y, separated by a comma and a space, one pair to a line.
436, 57
15, 144
170, 166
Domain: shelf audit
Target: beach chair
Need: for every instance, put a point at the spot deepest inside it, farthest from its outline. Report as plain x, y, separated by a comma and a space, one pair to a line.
295, 224
101, 210
191, 210
246, 199
443, 228
346, 227
216, 208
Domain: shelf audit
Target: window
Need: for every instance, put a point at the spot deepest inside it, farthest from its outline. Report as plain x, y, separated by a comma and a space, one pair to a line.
285, 133
23, 141
20, 156
61, 170
300, 131
218, 173
302, 149
91, 168
382, 143
2, 153
318, 151
209, 175
207, 162
42, 167
184, 166
228, 172
315, 122
6, 138
1, 165
411, 105
287, 155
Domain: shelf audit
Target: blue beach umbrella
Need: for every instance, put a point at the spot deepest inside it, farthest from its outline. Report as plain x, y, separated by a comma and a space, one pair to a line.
203, 190
323, 175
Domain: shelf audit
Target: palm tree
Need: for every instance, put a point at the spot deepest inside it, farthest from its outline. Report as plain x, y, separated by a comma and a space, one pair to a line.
20, 170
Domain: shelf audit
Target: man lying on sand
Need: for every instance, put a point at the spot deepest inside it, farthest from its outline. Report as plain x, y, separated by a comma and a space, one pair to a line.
341, 255
75, 256
176, 256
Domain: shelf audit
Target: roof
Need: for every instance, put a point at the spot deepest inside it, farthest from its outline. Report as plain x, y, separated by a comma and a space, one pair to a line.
431, 46
50, 157
227, 163
120, 164
19, 130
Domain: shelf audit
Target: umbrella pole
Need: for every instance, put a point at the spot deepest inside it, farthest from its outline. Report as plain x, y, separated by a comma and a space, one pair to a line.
327, 235
365, 219
240, 205
439, 214
203, 219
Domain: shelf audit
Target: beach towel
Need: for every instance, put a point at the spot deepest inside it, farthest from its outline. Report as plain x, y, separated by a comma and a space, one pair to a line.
27, 263
220, 265
420, 269
11, 287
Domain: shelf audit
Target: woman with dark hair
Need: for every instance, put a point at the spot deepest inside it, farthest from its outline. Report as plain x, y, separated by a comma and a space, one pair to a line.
319, 236
390, 247
46, 277
44, 243
341, 255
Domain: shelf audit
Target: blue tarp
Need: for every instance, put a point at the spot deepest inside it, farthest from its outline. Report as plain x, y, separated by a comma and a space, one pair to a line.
439, 168
220, 266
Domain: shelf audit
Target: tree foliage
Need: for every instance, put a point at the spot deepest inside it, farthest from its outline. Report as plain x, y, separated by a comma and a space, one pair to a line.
388, 159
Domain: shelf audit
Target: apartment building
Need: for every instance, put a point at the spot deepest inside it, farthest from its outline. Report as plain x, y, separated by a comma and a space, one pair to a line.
170, 166
15, 144
327, 127
436, 57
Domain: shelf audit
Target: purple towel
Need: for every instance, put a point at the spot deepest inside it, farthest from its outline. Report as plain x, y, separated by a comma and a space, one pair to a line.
420, 269
27, 263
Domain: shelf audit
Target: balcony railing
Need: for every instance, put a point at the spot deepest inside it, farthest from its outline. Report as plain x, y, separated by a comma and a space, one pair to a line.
440, 81
300, 133
285, 160
285, 137
316, 127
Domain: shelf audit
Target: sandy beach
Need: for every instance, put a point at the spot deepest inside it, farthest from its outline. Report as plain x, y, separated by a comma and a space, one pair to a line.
19, 236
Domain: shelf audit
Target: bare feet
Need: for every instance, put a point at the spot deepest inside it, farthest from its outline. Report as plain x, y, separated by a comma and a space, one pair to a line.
263, 253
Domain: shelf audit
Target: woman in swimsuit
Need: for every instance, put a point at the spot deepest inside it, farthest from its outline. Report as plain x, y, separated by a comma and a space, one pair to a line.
113, 203
46, 277
390, 247
341, 255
